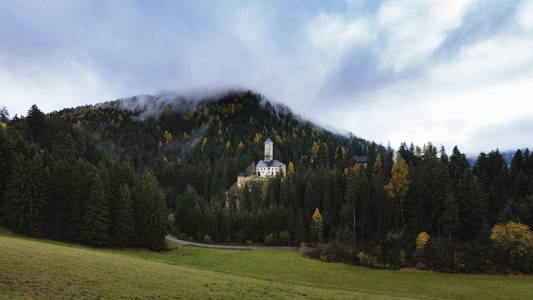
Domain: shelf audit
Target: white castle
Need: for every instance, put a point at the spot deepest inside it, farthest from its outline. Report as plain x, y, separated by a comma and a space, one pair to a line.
270, 167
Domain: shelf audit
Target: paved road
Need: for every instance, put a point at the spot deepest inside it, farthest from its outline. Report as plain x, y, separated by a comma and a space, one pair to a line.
187, 243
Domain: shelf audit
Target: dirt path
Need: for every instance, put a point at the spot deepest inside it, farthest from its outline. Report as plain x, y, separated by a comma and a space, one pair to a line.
186, 243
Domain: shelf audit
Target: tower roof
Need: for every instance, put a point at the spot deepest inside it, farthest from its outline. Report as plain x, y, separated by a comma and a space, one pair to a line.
268, 140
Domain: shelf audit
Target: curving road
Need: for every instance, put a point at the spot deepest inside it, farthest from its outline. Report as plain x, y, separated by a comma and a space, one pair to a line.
187, 243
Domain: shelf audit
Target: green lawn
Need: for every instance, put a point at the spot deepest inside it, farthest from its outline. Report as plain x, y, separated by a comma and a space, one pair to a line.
46, 269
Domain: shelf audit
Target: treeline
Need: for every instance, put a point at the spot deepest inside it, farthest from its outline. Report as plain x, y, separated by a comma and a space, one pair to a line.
457, 206
372, 212
50, 188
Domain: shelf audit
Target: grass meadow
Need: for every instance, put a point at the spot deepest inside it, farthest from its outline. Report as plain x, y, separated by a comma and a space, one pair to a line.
47, 269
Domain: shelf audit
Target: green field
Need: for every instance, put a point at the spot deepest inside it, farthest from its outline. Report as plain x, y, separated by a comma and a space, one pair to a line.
46, 269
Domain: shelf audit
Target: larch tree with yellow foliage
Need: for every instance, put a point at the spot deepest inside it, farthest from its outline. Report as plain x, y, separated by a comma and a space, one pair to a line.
168, 136
399, 184
315, 149
422, 240
318, 225
291, 169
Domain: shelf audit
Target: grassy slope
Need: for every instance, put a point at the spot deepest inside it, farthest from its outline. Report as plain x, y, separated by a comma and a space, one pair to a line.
40, 269
46, 269
291, 267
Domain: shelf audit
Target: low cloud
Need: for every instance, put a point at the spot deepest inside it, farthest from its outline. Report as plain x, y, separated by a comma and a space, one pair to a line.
393, 71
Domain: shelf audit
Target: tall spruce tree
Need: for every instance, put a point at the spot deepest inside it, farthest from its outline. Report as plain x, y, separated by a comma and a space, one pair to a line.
6, 158
95, 224
124, 221
152, 214
472, 207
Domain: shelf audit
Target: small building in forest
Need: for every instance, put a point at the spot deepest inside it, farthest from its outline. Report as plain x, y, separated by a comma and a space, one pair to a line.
269, 167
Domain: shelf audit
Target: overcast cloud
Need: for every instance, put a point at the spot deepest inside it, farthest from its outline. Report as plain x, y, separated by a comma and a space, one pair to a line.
451, 72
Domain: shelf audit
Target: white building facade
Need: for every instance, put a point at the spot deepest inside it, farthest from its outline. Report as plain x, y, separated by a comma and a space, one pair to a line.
270, 167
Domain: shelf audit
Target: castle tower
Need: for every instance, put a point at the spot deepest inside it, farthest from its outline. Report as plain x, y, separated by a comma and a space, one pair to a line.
269, 150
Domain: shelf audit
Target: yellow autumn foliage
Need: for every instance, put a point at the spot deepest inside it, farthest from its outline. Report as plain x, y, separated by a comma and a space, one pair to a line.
291, 168
514, 236
378, 164
422, 240
318, 222
171, 218
257, 138
168, 136
398, 184
315, 149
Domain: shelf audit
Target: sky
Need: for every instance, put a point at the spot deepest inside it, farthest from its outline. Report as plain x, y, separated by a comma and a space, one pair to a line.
451, 72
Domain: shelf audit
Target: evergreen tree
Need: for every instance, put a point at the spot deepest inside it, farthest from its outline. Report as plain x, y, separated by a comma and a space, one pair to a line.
450, 217
472, 209
6, 158
95, 224
16, 196
124, 222
152, 213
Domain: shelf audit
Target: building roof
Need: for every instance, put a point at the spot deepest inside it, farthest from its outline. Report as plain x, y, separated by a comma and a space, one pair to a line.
268, 140
272, 163
361, 159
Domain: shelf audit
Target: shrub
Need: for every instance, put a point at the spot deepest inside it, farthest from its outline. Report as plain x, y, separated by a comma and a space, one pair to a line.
436, 255
269, 239
285, 237
303, 249
513, 243
207, 239
366, 259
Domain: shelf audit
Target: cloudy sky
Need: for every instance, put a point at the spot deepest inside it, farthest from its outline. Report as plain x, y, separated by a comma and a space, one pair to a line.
450, 71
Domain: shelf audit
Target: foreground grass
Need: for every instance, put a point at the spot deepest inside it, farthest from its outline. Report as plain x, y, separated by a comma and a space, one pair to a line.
46, 269
290, 267
30, 268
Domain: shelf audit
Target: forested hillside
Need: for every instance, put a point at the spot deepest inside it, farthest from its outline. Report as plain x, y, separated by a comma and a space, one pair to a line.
127, 171
90, 164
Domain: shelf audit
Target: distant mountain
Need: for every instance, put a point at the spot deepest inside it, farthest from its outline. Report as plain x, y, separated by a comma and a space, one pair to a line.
214, 134
507, 156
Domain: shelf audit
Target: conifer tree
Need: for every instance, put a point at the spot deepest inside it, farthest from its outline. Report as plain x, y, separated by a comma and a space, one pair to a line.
472, 208
450, 217
152, 214
124, 221
95, 223
15, 196
6, 157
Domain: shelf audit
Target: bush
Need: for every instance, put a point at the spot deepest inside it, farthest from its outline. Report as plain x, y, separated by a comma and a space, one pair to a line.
269, 239
366, 259
513, 244
284, 237
473, 257
207, 239
436, 255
